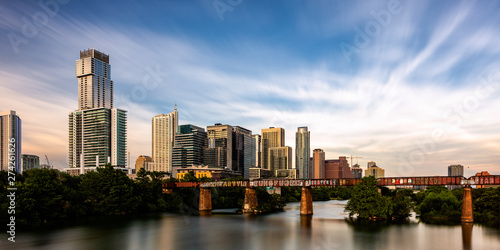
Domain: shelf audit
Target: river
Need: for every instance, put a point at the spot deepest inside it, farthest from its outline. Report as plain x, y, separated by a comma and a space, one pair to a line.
326, 229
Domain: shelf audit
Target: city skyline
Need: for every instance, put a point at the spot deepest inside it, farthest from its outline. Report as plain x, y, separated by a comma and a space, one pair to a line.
418, 86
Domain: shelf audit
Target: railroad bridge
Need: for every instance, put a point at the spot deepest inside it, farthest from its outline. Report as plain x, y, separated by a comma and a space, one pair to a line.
306, 205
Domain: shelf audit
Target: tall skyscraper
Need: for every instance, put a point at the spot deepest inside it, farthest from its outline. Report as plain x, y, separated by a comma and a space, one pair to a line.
97, 131
218, 150
318, 164
95, 88
302, 152
271, 137
164, 128
243, 150
257, 150
10, 140
188, 148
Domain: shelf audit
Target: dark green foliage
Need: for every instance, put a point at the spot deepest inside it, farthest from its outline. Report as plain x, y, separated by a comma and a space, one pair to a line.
291, 194
269, 203
109, 191
486, 204
439, 202
321, 194
368, 204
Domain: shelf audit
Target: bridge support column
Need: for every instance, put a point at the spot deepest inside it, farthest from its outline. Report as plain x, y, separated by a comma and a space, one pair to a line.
467, 212
251, 202
306, 202
205, 199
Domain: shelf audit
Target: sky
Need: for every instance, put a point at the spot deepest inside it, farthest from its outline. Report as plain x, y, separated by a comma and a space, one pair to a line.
411, 85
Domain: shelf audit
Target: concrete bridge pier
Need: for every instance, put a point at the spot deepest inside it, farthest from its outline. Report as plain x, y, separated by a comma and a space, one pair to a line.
306, 203
467, 212
205, 199
251, 202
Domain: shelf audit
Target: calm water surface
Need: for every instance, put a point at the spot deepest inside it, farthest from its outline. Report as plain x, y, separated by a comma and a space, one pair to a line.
326, 229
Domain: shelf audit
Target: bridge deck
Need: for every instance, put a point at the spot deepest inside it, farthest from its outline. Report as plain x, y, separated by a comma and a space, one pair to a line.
388, 181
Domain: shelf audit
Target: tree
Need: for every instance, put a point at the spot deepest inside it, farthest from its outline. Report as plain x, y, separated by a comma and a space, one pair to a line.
109, 191
442, 204
366, 202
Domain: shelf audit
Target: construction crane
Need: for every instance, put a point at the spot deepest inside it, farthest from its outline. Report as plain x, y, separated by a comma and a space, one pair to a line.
48, 163
357, 157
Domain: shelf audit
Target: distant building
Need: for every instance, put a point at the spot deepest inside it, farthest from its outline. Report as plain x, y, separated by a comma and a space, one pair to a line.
318, 169
141, 162
370, 164
375, 171
164, 128
243, 150
455, 170
257, 139
218, 151
337, 169
357, 172
302, 152
10, 140
259, 173
271, 137
188, 148
280, 158
29, 162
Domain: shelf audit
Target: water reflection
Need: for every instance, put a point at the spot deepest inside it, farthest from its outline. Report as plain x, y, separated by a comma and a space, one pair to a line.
306, 220
467, 235
326, 229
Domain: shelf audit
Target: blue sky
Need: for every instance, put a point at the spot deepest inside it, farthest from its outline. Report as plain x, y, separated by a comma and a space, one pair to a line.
417, 89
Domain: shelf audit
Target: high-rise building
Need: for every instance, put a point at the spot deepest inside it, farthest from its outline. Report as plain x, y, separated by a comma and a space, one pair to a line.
455, 170
95, 88
97, 137
271, 137
370, 164
29, 162
280, 158
164, 129
243, 150
97, 131
141, 162
375, 171
218, 150
257, 150
188, 148
10, 141
302, 152
318, 164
